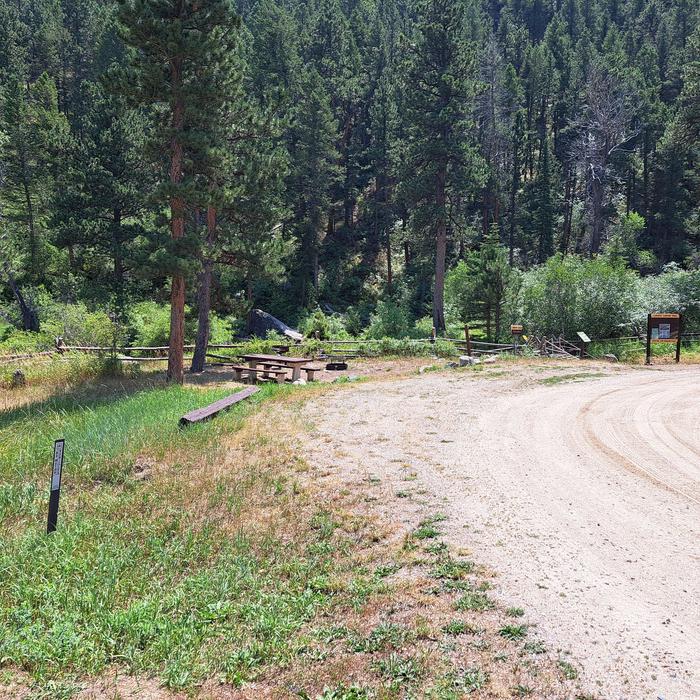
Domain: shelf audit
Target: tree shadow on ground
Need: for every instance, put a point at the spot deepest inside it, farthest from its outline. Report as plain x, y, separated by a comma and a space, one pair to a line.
91, 393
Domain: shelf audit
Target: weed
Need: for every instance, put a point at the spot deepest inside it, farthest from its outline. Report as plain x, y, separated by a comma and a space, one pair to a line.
398, 669
513, 632
568, 671
340, 692
455, 627
535, 647
515, 612
436, 548
522, 691
471, 679
474, 600
385, 570
425, 532
448, 568
385, 636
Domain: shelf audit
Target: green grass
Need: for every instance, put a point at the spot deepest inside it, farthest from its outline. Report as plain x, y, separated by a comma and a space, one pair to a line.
130, 578
568, 670
474, 600
513, 632
104, 432
573, 377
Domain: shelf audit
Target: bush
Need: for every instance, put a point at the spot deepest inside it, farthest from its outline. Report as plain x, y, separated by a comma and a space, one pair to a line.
326, 326
14, 342
570, 294
150, 323
390, 320
78, 326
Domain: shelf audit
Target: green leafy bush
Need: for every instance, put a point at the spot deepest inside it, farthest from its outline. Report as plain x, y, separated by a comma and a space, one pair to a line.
78, 326
570, 294
390, 320
326, 326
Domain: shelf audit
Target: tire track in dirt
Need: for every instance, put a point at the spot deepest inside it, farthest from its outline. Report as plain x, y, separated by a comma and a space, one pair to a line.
581, 495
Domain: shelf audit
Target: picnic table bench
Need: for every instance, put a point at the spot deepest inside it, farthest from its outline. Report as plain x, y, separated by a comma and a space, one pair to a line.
251, 373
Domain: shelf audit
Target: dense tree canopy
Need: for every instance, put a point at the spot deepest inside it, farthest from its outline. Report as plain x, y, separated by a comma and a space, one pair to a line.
342, 153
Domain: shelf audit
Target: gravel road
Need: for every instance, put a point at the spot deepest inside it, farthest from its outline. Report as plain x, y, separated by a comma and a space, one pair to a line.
581, 492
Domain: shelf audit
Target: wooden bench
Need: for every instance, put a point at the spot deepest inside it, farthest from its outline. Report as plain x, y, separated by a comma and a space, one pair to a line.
252, 373
310, 371
202, 414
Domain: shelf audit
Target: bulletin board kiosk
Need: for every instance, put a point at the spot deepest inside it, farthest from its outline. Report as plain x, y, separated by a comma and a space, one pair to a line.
664, 328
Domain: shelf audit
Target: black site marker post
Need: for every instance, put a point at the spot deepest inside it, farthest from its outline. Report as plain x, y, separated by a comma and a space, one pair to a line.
55, 485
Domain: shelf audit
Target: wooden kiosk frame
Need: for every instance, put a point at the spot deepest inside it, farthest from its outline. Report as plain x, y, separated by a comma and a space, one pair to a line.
664, 328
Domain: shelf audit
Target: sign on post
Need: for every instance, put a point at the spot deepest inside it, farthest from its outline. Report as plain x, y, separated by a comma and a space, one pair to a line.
664, 328
55, 494
516, 329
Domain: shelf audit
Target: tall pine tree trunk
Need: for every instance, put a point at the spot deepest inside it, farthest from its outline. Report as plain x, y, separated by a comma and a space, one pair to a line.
440, 254
204, 297
177, 231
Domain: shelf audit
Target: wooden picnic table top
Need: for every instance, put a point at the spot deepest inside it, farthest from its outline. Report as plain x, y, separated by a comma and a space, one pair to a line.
277, 359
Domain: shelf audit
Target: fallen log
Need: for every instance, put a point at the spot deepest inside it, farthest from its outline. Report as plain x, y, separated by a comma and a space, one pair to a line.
202, 414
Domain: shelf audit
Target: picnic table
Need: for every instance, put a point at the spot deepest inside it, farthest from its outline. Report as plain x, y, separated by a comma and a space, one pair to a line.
294, 363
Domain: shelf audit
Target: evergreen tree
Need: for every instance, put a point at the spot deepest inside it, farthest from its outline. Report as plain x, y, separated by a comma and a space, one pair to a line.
314, 171
101, 196
180, 65
442, 164
34, 129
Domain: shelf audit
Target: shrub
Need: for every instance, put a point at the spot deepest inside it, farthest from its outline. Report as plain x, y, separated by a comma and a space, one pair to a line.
327, 326
390, 320
78, 326
569, 294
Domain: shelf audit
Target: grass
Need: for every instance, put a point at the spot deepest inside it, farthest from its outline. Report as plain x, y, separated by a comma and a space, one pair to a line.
572, 377
155, 575
513, 632
474, 600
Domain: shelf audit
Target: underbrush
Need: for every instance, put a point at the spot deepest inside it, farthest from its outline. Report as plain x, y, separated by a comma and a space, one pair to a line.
634, 351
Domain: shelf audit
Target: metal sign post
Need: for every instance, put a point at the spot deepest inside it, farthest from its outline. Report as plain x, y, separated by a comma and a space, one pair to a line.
55, 485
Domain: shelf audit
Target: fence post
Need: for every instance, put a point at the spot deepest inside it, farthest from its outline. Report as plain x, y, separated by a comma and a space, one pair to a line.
648, 357
467, 337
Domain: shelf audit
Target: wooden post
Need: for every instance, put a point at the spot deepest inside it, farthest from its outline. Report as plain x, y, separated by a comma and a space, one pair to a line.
648, 357
678, 342
432, 335
469, 340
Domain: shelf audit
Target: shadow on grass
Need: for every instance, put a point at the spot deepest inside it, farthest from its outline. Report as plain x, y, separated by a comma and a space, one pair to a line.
92, 393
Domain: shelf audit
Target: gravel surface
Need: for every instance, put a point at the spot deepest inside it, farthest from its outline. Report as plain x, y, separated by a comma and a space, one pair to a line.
582, 491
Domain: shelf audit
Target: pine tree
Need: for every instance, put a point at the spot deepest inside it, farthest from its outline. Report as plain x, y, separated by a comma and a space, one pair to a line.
442, 164
314, 171
103, 182
180, 65
34, 129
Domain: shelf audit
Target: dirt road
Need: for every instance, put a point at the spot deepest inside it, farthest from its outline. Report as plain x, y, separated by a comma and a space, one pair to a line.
582, 493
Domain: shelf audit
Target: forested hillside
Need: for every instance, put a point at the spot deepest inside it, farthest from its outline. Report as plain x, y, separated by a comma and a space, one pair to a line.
347, 154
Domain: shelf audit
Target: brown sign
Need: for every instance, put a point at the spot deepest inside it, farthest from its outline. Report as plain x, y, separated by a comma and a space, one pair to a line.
516, 329
664, 328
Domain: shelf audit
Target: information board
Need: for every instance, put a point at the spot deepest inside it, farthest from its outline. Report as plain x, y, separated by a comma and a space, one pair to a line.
664, 328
